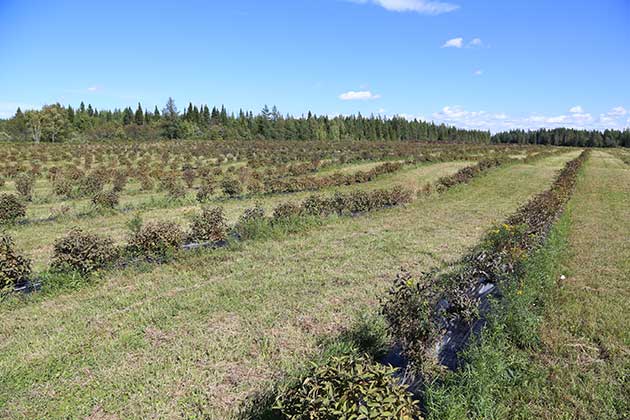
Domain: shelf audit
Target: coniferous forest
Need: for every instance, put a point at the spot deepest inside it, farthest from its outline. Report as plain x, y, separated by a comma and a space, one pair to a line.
566, 137
57, 123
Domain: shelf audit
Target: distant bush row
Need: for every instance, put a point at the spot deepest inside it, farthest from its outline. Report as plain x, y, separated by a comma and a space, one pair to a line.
287, 158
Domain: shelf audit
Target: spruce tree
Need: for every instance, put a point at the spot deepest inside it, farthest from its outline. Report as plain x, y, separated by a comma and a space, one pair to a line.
139, 117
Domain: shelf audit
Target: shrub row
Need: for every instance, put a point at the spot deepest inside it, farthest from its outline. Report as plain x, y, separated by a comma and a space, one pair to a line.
292, 158
343, 203
464, 175
337, 179
421, 310
86, 252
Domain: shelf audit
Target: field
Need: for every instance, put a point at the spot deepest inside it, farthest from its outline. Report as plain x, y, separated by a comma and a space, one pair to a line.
203, 333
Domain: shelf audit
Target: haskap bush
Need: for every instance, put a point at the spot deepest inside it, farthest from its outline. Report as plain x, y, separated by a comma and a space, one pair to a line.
209, 225
315, 205
286, 211
11, 208
205, 191
347, 387
252, 214
119, 181
62, 186
156, 240
14, 268
106, 199
24, 185
90, 184
231, 186
83, 252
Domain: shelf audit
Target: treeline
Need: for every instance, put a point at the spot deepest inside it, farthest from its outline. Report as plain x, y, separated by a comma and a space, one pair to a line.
566, 137
56, 123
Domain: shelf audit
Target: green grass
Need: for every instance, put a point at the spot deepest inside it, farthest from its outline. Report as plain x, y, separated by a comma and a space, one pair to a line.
558, 352
202, 333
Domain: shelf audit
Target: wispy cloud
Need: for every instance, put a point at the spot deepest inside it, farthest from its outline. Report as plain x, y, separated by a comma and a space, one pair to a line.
478, 72
362, 95
576, 117
476, 42
95, 88
454, 43
418, 6
618, 111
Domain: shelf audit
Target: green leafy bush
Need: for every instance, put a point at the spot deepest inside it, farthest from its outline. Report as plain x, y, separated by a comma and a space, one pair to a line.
348, 387
119, 181
315, 205
14, 269
175, 190
83, 252
11, 208
209, 225
106, 199
24, 185
189, 175
146, 183
231, 186
62, 186
157, 240
252, 214
286, 210
205, 191
90, 184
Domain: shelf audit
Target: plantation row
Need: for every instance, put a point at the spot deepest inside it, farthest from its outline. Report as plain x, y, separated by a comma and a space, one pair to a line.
430, 317
134, 159
425, 313
158, 241
105, 186
14, 208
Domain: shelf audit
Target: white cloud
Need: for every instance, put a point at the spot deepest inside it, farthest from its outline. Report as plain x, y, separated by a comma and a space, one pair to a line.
454, 43
476, 42
381, 111
478, 72
362, 95
95, 88
618, 111
576, 118
576, 110
418, 6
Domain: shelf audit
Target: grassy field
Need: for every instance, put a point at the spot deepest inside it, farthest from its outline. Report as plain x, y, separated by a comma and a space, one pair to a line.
197, 336
585, 339
562, 351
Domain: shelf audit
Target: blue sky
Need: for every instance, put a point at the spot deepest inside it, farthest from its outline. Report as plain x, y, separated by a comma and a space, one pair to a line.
473, 63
